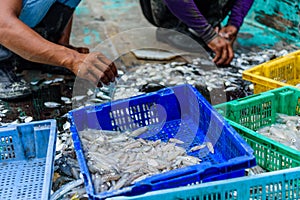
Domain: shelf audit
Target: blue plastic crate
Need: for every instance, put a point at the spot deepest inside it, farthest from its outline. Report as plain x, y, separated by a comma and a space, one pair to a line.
282, 184
26, 160
177, 112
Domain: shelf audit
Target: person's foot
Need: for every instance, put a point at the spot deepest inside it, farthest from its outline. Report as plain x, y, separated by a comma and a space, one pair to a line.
12, 87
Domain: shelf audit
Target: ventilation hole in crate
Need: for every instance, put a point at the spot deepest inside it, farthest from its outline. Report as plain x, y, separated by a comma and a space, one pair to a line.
151, 113
257, 190
7, 148
232, 194
152, 121
119, 121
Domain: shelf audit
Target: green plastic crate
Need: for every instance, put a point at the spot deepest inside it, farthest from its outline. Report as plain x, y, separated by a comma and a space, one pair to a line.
282, 184
249, 114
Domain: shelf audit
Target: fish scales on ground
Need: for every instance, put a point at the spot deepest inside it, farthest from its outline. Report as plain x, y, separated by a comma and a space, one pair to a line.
121, 159
175, 73
199, 72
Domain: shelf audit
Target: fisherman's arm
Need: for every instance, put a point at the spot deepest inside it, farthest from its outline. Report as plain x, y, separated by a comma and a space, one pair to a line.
188, 12
22, 40
238, 12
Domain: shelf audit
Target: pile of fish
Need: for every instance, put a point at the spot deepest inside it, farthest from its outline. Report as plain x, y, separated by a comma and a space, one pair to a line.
286, 130
202, 73
117, 160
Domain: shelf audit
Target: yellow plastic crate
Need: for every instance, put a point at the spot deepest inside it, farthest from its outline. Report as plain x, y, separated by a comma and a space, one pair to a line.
282, 71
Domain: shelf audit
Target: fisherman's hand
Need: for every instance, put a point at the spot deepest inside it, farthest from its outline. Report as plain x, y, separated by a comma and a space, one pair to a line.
95, 67
222, 49
229, 32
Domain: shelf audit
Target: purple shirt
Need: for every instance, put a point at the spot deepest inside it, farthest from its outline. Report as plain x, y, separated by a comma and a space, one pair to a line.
188, 12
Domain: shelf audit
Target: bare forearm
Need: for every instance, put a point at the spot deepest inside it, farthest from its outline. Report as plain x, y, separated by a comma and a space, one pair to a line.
22, 40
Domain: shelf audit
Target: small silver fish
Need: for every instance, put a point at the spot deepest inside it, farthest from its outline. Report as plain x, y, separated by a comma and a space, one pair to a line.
58, 80
78, 98
139, 131
229, 89
101, 95
177, 141
52, 104
48, 82
210, 147
197, 147
28, 119
89, 92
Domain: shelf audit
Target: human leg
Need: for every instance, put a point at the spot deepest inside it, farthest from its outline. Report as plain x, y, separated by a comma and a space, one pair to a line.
158, 14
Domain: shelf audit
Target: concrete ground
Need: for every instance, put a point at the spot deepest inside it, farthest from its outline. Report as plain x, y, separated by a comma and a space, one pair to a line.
121, 21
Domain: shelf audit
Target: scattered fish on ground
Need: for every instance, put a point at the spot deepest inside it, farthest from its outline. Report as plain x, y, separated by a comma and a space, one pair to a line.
202, 73
154, 54
52, 104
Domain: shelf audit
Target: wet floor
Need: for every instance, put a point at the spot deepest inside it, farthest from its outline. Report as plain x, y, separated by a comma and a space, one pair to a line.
94, 22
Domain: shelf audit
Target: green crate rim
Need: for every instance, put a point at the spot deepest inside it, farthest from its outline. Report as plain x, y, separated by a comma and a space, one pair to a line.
271, 144
290, 152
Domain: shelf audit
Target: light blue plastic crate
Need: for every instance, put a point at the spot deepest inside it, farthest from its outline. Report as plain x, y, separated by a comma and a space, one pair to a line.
27, 160
283, 185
